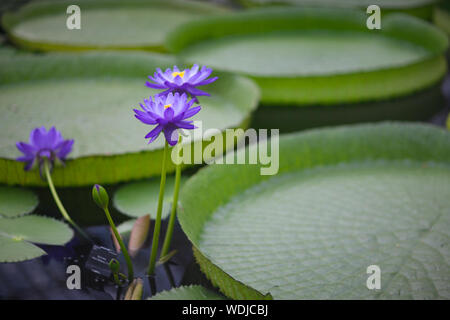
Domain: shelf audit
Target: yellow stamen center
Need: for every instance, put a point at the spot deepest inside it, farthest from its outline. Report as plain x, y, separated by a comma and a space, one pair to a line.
181, 74
167, 106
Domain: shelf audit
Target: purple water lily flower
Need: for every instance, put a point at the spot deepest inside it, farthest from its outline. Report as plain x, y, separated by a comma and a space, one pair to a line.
184, 81
168, 113
44, 145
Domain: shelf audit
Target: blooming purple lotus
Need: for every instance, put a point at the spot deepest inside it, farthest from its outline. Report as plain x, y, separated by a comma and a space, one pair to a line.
44, 145
184, 81
168, 113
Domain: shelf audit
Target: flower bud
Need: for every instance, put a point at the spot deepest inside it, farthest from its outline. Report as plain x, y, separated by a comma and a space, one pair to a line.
114, 266
100, 196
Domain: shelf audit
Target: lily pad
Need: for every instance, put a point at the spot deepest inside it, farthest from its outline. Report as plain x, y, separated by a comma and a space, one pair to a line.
419, 8
136, 199
18, 235
125, 227
304, 56
90, 98
420, 105
193, 292
441, 17
344, 199
15, 202
105, 24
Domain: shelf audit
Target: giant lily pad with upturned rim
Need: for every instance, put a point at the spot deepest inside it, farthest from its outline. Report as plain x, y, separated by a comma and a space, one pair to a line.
441, 17
105, 24
344, 199
304, 56
419, 8
90, 98
192, 292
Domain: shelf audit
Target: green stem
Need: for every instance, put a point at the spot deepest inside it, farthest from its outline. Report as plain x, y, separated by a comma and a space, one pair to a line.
151, 266
58, 201
169, 232
122, 245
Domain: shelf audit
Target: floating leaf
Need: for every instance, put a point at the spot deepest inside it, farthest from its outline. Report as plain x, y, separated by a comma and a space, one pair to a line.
18, 234
105, 24
419, 8
138, 234
16, 201
441, 16
294, 53
417, 106
136, 199
99, 91
125, 227
193, 292
344, 199
448, 121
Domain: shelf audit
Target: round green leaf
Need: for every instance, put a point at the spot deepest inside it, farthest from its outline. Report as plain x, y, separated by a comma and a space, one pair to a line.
417, 106
419, 8
344, 199
16, 235
16, 201
125, 227
441, 17
37, 229
193, 292
17, 250
105, 24
136, 199
90, 98
293, 54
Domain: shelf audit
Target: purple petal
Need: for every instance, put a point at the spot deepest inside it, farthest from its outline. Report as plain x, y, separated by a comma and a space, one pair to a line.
52, 138
205, 73
65, 149
154, 85
25, 148
26, 158
171, 135
154, 133
192, 112
35, 137
207, 81
178, 80
197, 92
184, 125
146, 117
171, 85
168, 114
30, 164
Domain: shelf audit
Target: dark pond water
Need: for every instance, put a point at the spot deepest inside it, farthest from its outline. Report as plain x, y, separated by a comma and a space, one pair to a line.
45, 277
